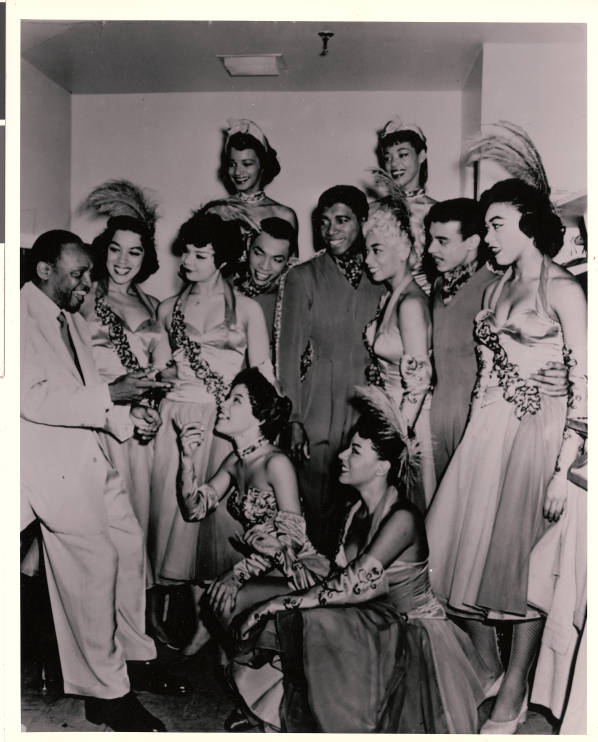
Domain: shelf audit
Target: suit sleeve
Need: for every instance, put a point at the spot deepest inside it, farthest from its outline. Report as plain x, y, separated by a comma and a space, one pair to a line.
48, 401
295, 330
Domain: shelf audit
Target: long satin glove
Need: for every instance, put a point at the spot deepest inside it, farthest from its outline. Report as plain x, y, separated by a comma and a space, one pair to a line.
199, 503
360, 581
297, 559
252, 566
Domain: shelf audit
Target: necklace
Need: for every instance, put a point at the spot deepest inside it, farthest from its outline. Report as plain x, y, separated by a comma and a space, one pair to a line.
243, 453
251, 198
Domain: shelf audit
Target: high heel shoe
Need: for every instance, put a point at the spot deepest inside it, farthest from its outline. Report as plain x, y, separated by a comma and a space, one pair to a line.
493, 689
506, 727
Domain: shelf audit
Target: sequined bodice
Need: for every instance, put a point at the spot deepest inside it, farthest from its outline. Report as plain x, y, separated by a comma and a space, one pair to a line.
509, 353
142, 342
253, 505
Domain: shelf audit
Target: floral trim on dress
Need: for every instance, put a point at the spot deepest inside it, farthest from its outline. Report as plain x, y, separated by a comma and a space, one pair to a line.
214, 382
521, 393
306, 360
116, 332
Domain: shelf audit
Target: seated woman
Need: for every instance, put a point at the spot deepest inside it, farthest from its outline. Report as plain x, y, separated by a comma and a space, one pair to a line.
264, 498
399, 338
249, 164
368, 649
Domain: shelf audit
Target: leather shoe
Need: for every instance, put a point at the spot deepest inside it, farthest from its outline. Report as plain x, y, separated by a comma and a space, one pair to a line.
149, 676
123, 714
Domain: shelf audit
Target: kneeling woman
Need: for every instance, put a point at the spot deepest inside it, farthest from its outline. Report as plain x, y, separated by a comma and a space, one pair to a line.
263, 498
368, 649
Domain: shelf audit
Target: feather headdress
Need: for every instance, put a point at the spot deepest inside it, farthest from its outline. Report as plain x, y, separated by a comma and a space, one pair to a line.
511, 147
229, 210
121, 198
391, 425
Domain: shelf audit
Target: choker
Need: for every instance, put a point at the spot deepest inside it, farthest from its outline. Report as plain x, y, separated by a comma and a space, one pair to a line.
251, 198
416, 192
243, 453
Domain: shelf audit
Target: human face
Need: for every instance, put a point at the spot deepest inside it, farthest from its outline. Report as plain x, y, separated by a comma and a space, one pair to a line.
360, 464
124, 256
268, 257
339, 228
402, 163
503, 236
197, 263
448, 248
385, 256
244, 170
236, 416
68, 281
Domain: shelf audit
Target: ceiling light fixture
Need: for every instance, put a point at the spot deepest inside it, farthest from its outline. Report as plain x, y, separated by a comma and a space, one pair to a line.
325, 36
252, 65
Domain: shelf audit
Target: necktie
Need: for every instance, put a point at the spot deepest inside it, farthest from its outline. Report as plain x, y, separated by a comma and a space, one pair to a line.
68, 341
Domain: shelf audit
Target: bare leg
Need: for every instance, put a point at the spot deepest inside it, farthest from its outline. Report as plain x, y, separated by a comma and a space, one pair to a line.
201, 635
526, 637
483, 638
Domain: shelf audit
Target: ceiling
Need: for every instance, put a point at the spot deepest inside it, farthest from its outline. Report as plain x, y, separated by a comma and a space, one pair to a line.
180, 56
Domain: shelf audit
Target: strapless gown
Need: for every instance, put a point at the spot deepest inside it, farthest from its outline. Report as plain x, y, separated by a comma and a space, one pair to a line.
486, 515
384, 339
132, 459
176, 549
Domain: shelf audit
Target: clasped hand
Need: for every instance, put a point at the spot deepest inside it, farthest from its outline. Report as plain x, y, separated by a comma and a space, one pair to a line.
262, 538
132, 387
146, 420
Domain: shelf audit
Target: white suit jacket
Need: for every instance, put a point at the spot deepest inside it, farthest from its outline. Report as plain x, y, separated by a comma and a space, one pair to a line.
63, 464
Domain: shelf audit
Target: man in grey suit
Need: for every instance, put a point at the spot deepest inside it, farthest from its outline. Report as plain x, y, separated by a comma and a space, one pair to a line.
92, 543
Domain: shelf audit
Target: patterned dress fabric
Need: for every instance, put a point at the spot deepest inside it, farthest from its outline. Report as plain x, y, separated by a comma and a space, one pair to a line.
486, 516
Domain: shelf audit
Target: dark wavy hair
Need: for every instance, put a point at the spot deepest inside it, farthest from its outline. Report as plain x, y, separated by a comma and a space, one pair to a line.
538, 218
386, 443
280, 229
266, 155
349, 195
99, 248
400, 137
267, 406
209, 229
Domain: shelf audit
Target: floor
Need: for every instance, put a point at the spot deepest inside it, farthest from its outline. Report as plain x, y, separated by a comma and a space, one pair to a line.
46, 709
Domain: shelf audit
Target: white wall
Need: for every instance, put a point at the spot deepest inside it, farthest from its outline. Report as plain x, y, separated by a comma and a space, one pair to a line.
45, 155
171, 143
471, 115
541, 87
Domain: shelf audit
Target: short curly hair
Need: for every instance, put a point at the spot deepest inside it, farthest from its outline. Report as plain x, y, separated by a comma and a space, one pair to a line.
538, 218
99, 248
209, 229
266, 155
400, 137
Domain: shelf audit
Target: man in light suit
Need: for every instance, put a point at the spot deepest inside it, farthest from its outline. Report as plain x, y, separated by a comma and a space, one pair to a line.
93, 545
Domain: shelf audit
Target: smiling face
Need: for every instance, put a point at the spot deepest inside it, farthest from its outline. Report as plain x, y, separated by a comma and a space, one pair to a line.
197, 263
386, 252
124, 257
448, 248
402, 163
68, 281
236, 416
268, 257
360, 464
504, 237
339, 228
244, 170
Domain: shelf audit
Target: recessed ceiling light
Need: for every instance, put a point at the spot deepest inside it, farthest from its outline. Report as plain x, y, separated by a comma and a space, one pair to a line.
252, 65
